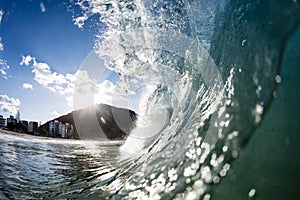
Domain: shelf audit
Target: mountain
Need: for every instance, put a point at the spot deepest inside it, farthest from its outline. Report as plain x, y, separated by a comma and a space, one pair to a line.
99, 122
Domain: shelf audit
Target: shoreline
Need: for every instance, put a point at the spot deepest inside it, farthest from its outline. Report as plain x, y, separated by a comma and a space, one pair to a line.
28, 136
36, 137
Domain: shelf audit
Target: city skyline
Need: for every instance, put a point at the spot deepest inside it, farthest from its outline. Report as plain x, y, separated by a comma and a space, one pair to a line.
53, 128
18, 117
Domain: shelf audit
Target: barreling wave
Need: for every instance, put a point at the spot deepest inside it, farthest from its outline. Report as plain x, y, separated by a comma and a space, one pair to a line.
210, 69
201, 75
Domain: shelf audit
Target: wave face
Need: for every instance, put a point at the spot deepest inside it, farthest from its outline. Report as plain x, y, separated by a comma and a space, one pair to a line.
206, 72
210, 68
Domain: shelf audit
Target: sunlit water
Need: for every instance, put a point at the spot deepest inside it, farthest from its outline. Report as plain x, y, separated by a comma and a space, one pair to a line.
211, 67
40, 168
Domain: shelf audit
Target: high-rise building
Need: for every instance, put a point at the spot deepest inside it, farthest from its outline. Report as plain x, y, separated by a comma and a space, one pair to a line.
24, 124
18, 116
63, 130
59, 129
11, 122
51, 129
33, 127
69, 128
56, 128
2, 122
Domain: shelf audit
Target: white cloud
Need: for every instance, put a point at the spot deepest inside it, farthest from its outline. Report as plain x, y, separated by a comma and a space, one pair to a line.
9, 109
26, 60
53, 81
3, 65
3, 68
45, 77
107, 93
4, 99
1, 15
69, 100
88, 91
27, 86
133, 98
1, 45
3, 72
55, 113
9, 105
42, 6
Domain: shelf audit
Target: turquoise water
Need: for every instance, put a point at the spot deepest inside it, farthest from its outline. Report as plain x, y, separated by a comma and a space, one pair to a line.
270, 161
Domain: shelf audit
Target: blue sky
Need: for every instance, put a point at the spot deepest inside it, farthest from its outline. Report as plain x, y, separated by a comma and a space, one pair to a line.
41, 50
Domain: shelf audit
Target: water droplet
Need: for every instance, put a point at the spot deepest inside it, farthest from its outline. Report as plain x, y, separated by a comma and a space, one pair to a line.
152, 176
226, 166
278, 79
192, 195
259, 109
275, 94
206, 197
216, 179
235, 154
223, 172
251, 193
225, 148
233, 135
258, 89
244, 42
